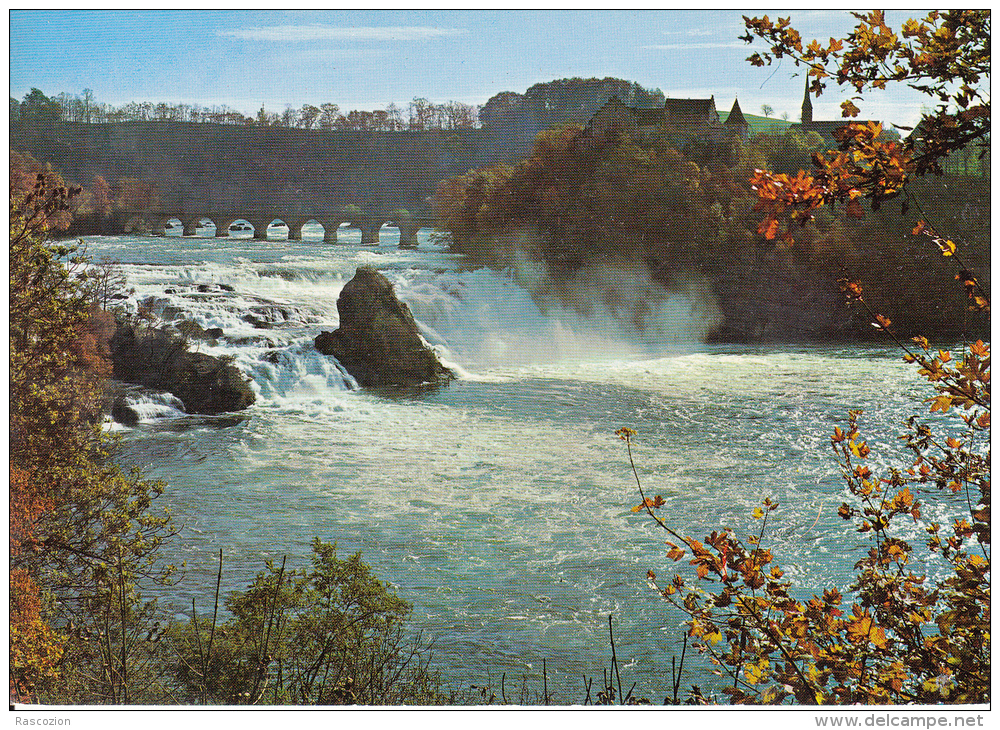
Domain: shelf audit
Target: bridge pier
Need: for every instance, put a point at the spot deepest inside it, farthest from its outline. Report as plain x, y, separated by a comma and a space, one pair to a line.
330, 228
260, 228
191, 226
369, 234
408, 234
222, 224
295, 230
159, 227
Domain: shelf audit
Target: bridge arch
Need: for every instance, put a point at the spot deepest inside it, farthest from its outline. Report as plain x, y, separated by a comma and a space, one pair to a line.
403, 221
276, 222
193, 223
263, 226
165, 225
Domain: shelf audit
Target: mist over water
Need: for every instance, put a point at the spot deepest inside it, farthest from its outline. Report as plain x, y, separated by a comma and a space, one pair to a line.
499, 505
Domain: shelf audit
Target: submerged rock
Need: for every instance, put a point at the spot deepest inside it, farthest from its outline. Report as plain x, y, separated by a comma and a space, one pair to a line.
155, 359
378, 342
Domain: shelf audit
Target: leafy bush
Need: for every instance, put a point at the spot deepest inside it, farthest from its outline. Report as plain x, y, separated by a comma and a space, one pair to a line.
331, 635
83, 532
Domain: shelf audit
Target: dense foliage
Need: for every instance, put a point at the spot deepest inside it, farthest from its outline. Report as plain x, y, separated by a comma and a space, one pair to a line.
914, 624
563, 101
581, 200
945, 55
328, 636
83, 531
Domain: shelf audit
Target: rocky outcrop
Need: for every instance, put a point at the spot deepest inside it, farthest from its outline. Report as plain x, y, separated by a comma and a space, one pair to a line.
156, 359
378, 341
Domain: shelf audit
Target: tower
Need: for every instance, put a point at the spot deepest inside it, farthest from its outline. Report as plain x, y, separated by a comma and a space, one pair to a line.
736, 123
807, 107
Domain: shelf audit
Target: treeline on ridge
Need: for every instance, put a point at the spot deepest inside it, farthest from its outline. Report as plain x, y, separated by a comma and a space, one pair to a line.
540, 106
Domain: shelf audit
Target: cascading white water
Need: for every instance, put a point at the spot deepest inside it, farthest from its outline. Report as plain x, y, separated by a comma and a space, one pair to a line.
498, 505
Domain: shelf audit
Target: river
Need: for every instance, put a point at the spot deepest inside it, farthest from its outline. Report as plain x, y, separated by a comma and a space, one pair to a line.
499, 505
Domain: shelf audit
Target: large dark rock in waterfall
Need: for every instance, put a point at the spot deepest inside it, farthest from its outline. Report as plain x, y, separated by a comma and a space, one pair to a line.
378, 341
155, 359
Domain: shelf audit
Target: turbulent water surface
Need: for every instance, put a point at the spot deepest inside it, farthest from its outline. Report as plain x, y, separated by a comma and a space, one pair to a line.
499, 505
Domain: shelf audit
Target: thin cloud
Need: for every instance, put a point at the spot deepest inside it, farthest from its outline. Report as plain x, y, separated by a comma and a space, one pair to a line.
286, 33
692, 32
687, 46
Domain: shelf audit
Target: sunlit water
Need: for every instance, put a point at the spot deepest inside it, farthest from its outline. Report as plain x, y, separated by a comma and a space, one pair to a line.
499, 505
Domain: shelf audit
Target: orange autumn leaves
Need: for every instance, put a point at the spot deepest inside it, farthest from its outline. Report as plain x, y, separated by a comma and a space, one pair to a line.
866, 167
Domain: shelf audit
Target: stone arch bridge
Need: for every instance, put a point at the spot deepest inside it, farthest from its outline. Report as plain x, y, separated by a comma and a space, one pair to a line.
368, 222
158, 171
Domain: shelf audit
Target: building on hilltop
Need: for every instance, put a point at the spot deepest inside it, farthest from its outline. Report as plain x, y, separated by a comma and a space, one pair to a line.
692, 114
825, 129
617, 118
736, 125
686, 119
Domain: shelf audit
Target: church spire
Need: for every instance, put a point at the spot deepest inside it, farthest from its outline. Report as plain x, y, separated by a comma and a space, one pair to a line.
807, 107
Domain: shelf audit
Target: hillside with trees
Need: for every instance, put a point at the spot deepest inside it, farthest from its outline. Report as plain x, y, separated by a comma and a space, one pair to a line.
581, 199
38, 110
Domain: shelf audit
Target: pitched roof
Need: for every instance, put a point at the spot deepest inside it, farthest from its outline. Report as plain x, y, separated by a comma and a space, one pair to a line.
689, 110
648, 116
736, 115
826, 128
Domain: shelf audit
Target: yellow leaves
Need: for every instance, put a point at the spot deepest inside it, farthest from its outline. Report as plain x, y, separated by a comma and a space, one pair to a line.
862, 630
838, 435
648, 503
849, 109
624, 433
979, 349
852, 289
940, 403
903, 500
756, 672
946, 246
758, 513
859, 449
977, 560
913, 28
768, 228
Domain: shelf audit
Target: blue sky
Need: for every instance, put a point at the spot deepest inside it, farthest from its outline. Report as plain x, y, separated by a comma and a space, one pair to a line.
366, 59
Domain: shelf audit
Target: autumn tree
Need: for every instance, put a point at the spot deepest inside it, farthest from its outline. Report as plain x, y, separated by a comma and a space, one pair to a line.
84, 535
913, 626
945, 55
